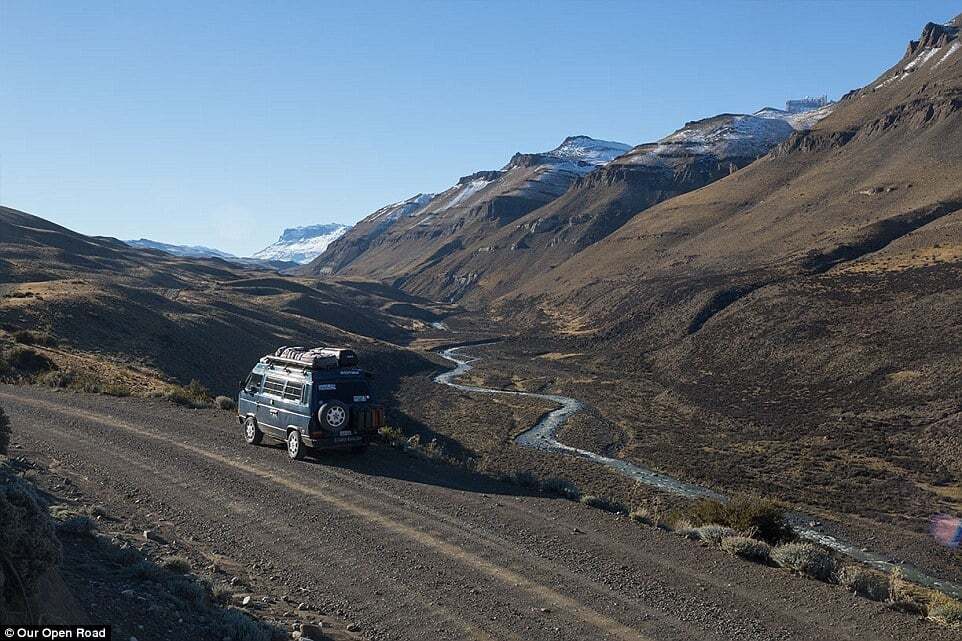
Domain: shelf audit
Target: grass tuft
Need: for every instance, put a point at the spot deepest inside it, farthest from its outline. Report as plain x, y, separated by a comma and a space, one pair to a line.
225, 403
79, 525
745, 513
865, 583
714, 533
807, 559
603, 503
176, 564
747, 548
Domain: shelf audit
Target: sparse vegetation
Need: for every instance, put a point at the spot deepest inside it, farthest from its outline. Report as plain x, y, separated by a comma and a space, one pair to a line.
27, 337
745, 513
747, 548
603, 503
28, 546
865, 583
4, 432
225, 403
806, 558
945, 610
22, 364
391, 435
194, 395
714, 533
561, 487
77, 525
906, 596
525, 478
177, 565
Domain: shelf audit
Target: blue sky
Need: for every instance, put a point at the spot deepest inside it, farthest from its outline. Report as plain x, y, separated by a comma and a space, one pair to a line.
222, 123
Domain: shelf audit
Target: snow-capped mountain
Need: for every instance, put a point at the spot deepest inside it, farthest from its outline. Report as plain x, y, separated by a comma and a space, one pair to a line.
428, 225
302, 244
801, 114
188, 251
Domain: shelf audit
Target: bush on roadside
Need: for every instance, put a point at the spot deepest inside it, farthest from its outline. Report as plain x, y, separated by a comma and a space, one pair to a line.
4, 432
865, 583
945, 610
907, 596
225, 403
561, 487
391, 435
714, 533
78, 525
177, 565
745, 513
28, 546
747, 548
27, 337
194, 395
21, 363
807, 559
603, 503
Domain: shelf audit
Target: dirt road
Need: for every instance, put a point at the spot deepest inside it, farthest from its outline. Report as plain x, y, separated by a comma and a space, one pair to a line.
406, 549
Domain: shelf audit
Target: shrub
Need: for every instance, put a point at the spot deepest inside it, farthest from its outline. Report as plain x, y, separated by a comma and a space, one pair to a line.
116, 389
26, 337
391, 435
945, 610
194, 594
745, 514
177, 565
147, 571
28, 546
602, 503
21, 362
525, 478
4, 432
222, 594
238, 626
194, 395
906, 596
684, 528
225, 403
78, 525
561, 487
806, 559
865, 583
714, 533
747, 548
642, 515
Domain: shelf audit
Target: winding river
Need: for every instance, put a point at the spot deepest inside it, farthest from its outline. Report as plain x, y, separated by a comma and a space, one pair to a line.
543, 437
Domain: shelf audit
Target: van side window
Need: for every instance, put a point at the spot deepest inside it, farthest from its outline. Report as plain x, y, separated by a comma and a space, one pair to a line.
274, 386
293, 391
253, 382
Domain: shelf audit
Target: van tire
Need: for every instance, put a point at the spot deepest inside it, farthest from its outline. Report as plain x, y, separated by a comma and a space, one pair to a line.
334, 416
295, 446
252, 434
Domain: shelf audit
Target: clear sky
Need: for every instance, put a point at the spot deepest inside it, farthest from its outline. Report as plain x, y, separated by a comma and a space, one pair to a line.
222, 123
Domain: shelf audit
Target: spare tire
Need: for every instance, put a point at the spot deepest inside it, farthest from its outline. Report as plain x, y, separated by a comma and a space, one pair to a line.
333, 416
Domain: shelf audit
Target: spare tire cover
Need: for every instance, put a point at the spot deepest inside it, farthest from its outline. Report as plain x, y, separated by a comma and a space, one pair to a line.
333, 416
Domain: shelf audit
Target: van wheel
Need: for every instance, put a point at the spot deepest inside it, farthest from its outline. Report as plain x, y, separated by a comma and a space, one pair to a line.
252, 433
295, 448
334, 416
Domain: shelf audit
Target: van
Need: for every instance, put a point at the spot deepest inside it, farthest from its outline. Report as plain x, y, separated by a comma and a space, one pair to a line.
317, 399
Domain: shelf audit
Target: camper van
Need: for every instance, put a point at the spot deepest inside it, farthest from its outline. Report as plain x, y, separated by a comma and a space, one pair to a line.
310, 399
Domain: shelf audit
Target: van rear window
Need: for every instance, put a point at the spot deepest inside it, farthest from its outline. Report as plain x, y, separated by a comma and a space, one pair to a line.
344, 391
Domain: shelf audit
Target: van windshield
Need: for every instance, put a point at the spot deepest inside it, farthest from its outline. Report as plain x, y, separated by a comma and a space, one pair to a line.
344, 391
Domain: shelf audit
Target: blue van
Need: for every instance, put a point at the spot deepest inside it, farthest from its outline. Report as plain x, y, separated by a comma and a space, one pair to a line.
316, 403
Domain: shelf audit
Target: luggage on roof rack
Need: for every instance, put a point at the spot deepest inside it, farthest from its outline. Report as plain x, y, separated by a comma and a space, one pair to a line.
315, 357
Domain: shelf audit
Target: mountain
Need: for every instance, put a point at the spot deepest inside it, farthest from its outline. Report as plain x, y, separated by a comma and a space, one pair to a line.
199, 251
599, 202
406, 237
125, 317
302, 244
189, 251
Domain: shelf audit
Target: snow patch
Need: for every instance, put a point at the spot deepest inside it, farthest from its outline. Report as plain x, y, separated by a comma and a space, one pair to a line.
302, 244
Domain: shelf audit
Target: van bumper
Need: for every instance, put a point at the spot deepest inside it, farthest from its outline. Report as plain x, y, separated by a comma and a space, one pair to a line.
324, 442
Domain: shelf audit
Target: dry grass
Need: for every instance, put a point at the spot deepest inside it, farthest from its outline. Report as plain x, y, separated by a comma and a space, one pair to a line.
764, 518
747, 548
603, 503
714, 533
225, 403
807, 559
865, 583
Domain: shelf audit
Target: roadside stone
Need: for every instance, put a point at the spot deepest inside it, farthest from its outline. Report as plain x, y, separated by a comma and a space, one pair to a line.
313, 631
354, 627
153, 535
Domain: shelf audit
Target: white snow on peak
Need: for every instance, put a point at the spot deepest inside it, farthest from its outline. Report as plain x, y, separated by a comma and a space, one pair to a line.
952, 49
302, 244
589, 150
394, 211
464, 191
799, 120
919, 60
187, 251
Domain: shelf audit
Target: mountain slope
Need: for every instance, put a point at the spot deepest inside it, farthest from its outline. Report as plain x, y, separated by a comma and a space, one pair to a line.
391, 245
599, 203
123, 316
188, 251
302, 244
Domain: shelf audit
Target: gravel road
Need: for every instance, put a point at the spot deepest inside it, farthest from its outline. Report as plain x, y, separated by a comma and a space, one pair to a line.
401, 548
